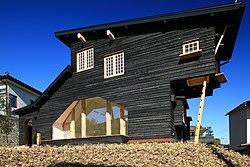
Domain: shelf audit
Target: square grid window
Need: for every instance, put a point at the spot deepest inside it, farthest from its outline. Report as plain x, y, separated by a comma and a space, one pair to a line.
85, 60
109, 66
191, 47
114, 65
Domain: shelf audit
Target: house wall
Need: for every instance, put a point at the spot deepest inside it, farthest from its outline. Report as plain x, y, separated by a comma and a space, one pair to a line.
24, 96
180, 127
248, 124
237, 128
178, 113
151, 62
2, 87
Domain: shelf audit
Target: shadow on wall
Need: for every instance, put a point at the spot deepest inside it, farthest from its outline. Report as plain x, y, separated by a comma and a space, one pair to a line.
64, 164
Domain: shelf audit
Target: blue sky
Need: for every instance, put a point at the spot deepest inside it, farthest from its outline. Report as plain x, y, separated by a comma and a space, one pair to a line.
32, 54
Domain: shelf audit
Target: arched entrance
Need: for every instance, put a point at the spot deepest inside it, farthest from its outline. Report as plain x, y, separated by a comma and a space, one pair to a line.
28, 132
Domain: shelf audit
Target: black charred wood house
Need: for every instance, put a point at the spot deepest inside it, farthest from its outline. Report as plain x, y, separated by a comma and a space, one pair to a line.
130, 80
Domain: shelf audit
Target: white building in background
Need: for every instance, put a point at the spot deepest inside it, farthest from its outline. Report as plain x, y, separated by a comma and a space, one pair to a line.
239, 128
19, 93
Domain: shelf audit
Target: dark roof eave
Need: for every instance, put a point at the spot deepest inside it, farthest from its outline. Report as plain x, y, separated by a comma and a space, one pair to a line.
163, 17
246, 104
26, 109
58, 82
10, 78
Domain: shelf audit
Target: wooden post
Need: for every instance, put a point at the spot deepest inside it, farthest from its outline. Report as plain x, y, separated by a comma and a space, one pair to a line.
198, 125
83, 118
63, 132
108, 118
73, 125
122, 122
221, 37
38, 138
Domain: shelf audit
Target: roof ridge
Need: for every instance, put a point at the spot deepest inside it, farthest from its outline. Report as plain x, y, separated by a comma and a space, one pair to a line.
74, 30
244, 104
19, 82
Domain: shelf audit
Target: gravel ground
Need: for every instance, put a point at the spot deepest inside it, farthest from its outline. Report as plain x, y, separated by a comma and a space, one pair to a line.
147, 154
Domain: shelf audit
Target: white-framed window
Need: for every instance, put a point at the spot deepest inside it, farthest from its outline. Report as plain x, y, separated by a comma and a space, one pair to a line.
191, 47
85, 60
114, 65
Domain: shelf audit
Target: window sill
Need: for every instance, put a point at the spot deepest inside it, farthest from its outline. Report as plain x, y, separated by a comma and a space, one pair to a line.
106, 77
85, 69
190, 55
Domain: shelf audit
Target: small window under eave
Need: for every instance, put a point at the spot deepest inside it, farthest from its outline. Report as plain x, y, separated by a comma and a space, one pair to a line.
191, 49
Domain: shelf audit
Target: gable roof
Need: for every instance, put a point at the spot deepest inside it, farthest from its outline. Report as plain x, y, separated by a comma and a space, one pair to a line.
45, 96
229, 14
244, 104
7, 77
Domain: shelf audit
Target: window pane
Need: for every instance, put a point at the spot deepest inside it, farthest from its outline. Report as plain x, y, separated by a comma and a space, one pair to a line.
115, 118
67, 130
89, 118
190, 47
13, 101
90, 58
85, 59
195, 46
96, 117
114, 65
126, 120
77, 116
109, 66
119, 63
80, 61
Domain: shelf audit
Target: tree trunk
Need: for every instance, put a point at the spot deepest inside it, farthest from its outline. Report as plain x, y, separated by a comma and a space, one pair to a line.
7, 139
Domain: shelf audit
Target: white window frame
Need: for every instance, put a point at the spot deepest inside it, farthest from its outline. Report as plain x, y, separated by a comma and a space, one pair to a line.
190, 45
114, 65
88, 55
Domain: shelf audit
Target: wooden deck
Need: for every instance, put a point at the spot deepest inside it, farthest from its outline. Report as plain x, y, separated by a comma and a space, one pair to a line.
158, 140
87, 140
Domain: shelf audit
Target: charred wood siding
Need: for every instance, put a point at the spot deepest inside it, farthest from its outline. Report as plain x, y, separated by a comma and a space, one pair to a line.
151, 62
180, 127
178, 113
